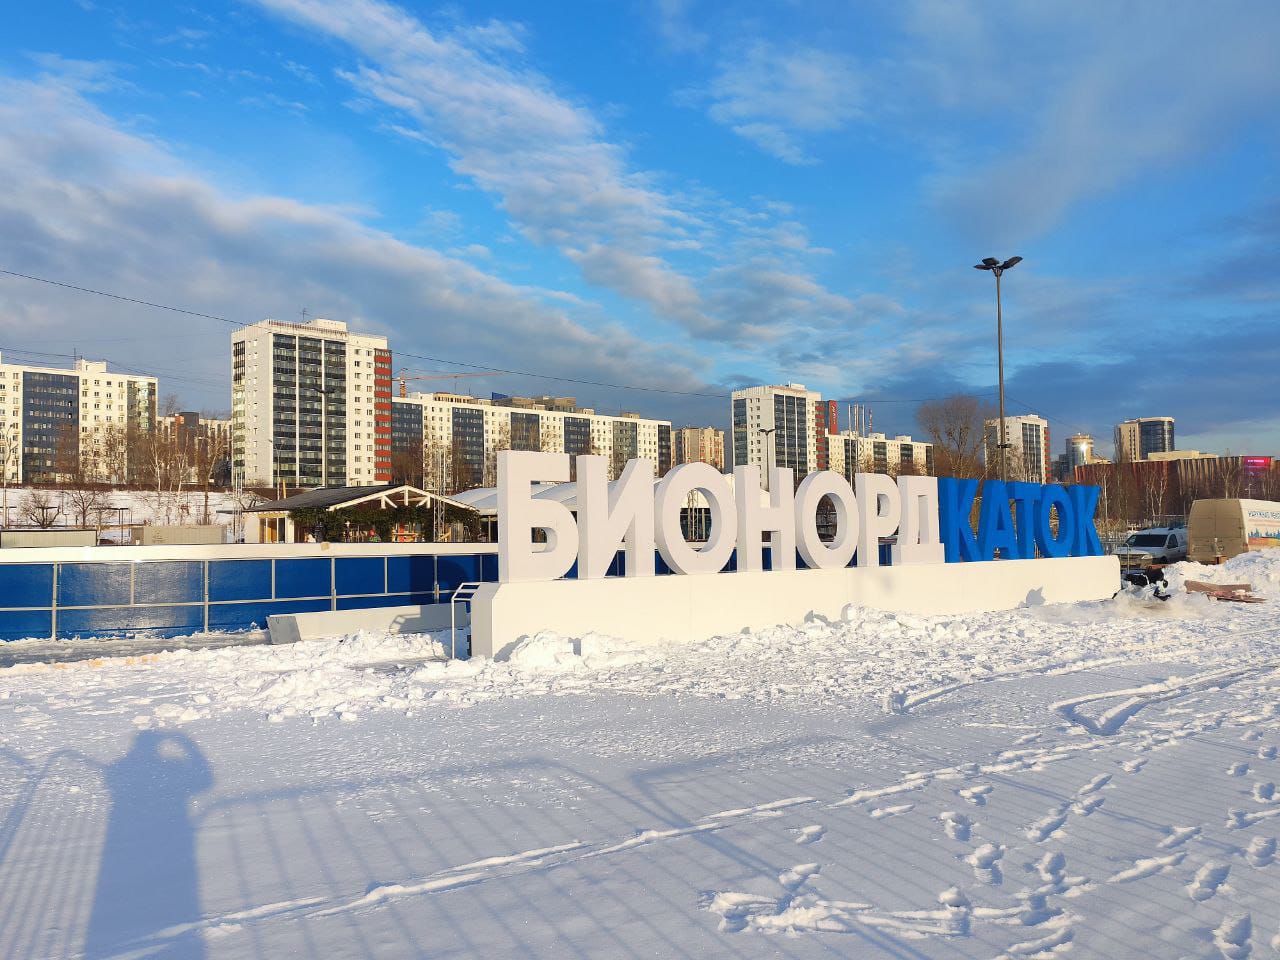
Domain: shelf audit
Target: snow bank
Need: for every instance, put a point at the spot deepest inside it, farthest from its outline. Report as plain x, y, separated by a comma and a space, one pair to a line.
870, 660
549, 652
1261, 568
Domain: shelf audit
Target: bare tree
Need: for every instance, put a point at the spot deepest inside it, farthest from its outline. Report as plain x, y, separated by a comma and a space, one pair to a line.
410, 465
209, 452
956, 427
1155, 489
1269, 483
38, 509
1231, 473
84, 502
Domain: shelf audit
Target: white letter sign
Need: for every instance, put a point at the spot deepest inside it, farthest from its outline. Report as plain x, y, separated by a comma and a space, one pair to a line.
519, 513
611, 513
818, 555
754, 520
670, 496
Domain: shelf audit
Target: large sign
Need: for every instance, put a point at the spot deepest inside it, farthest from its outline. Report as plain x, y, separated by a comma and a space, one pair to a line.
929, 518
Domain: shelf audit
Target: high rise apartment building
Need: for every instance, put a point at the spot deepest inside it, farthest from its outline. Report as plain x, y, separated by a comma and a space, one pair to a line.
1028, 453
699, 445
1140, 437
850, 453
778, 425
459, 437
310, 405
57, 423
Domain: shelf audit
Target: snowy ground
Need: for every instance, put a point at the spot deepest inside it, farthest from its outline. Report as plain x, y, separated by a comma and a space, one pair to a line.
1095, 780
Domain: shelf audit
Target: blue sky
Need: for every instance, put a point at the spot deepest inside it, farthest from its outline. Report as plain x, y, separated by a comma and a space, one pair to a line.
667, 194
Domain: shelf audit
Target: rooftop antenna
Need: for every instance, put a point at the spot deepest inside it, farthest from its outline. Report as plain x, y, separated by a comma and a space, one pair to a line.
304, 314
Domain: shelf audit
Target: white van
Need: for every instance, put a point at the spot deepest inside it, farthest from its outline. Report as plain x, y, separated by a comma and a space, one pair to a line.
1225, 528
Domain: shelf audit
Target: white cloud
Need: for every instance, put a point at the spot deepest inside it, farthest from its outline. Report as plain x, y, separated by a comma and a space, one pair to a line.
1086, 103
672, 20
508, 130
85, 201
776, 96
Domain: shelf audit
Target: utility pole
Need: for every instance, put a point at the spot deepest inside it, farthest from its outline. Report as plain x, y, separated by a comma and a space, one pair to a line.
998, 268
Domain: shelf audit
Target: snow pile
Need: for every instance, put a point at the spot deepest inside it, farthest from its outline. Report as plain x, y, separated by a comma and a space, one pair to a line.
868, 662
1261, 568
547, 651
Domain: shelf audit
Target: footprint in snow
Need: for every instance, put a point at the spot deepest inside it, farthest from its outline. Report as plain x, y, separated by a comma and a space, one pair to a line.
1251, 736
1094, 785
1149, 867
1267, 753
1261, 852
1264, 791
1047, 826
1178, 836
957, 825
1087, 805
1207, 881
1233, 936
810, 834
879, 813
793, 878
985, 861
1134, 765
1237, 769
975, 795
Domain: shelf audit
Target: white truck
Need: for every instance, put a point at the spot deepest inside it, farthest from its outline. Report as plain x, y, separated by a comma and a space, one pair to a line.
1154, 548
1223, 528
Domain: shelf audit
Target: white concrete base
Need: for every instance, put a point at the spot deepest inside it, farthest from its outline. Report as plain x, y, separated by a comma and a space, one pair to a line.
685, 608
413, 618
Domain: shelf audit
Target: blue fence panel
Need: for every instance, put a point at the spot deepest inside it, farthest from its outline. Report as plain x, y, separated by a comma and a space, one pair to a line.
26, 585
396, 600
242, 616
93, 584
453, 571
23, 624
303, 578
412, 574
113, 621
168, 597
239, 580
360, 575
177, 581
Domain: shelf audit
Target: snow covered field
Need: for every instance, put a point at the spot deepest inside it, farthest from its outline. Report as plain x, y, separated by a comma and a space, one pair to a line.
1096, 780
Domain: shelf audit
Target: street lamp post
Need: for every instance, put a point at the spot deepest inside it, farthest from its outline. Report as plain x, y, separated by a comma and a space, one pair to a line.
998, 268
768, 460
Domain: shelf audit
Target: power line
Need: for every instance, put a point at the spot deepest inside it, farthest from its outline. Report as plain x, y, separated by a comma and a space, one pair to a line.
417, 356
116, 296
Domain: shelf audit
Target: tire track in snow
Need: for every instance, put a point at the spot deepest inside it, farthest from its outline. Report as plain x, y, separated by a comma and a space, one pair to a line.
467, 874
1110, 721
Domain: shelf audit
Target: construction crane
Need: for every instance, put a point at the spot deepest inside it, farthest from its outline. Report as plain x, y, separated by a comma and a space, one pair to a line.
434, 375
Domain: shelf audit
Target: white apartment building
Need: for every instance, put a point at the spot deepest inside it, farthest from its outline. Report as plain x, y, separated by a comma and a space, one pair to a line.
699, 445
850, 453
1028, 452
779, 425
460, 436
55, 420
310, 405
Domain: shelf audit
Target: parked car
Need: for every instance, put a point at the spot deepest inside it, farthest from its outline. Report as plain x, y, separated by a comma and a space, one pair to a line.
1226, 527
1155, 547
